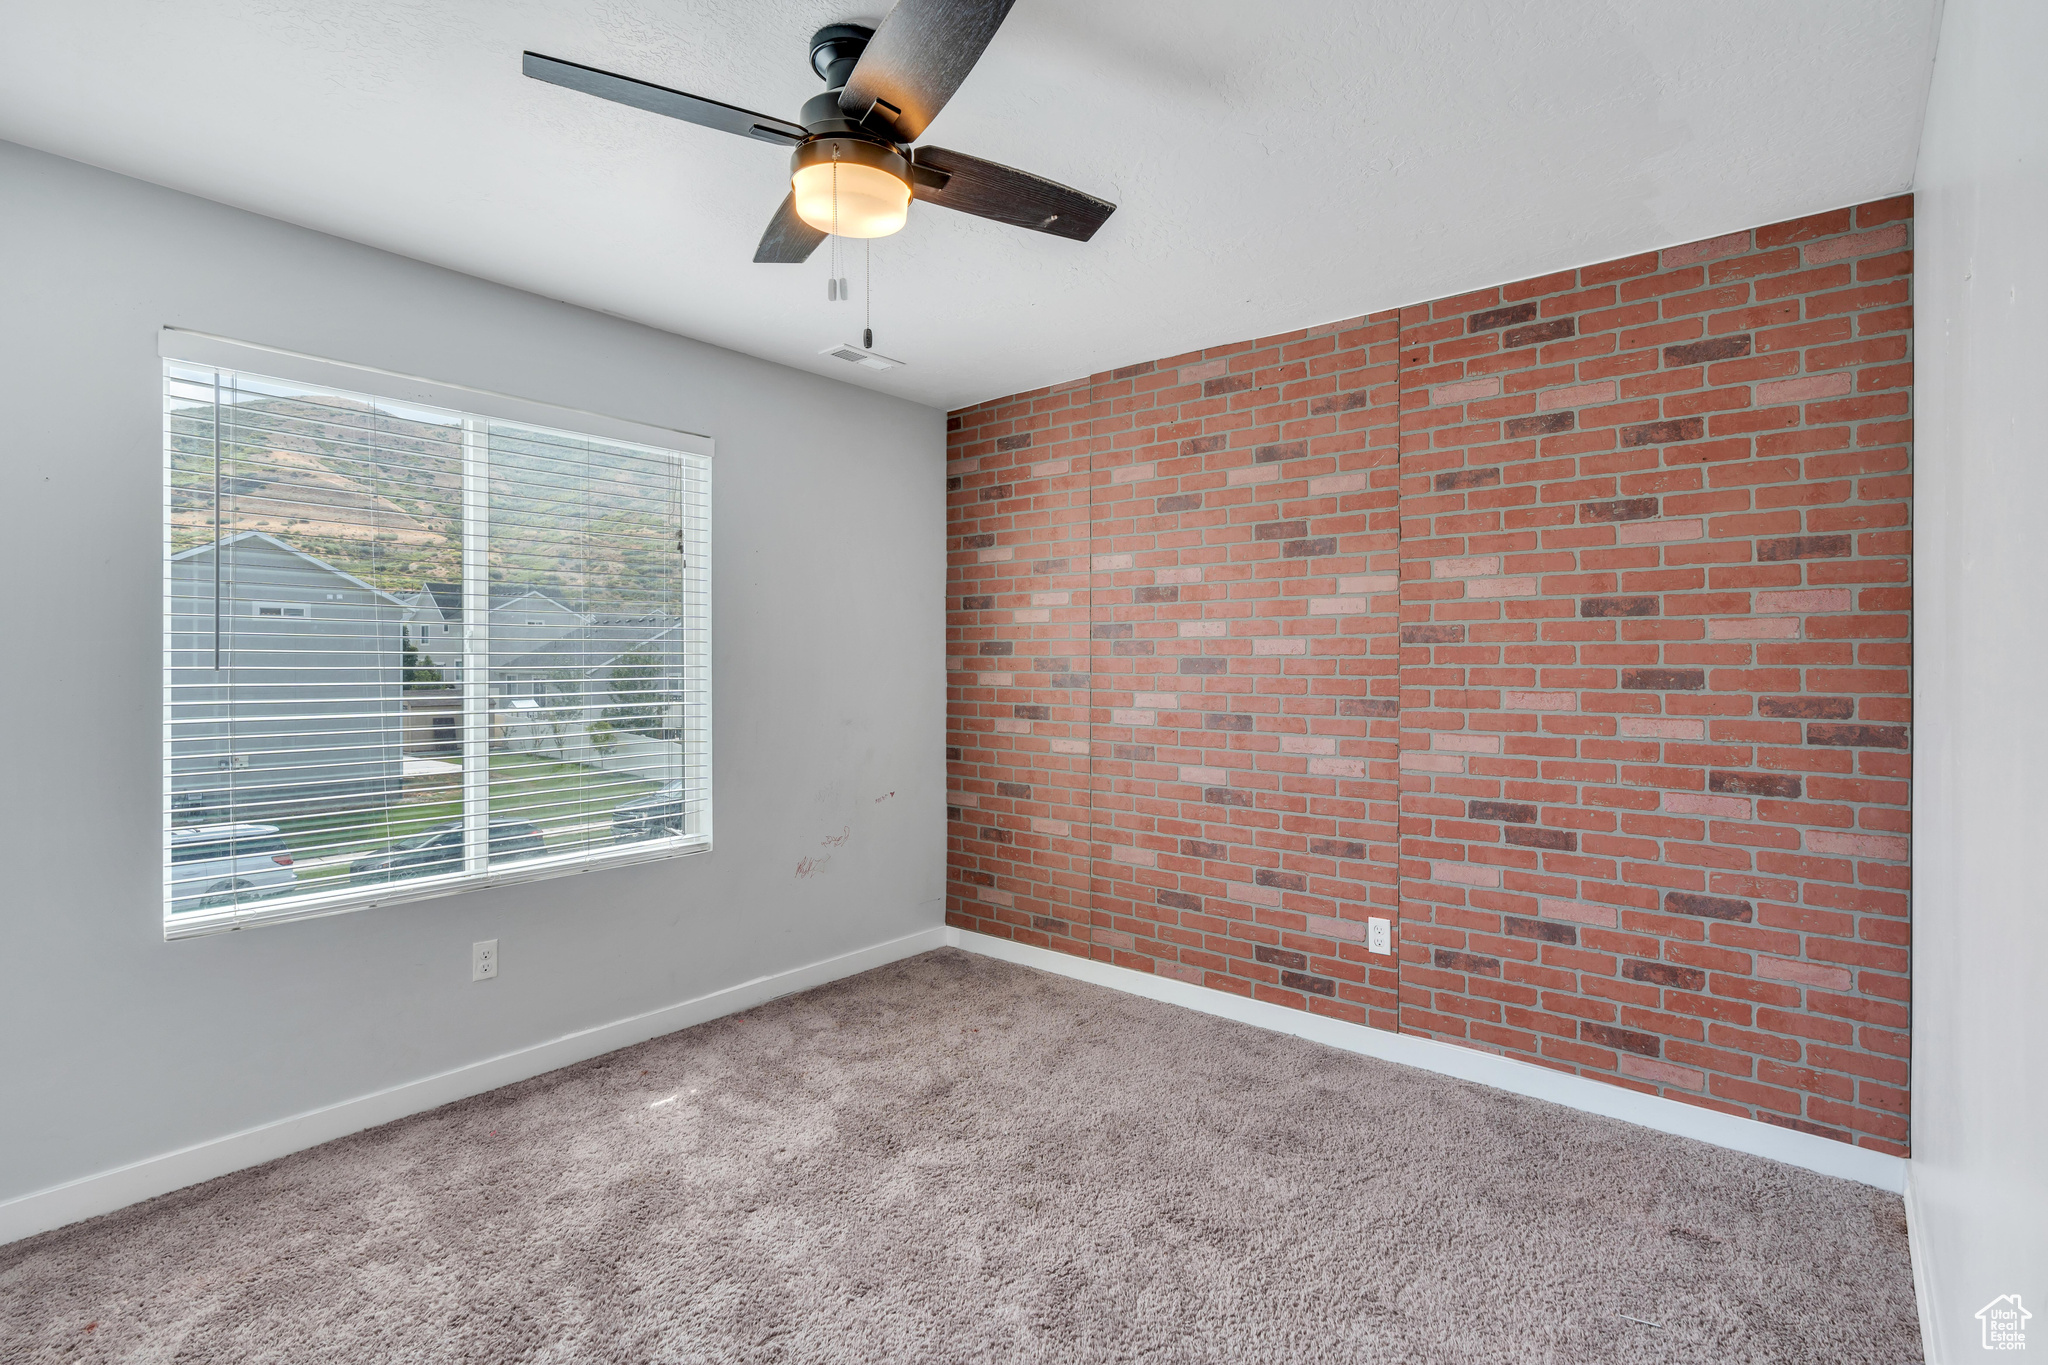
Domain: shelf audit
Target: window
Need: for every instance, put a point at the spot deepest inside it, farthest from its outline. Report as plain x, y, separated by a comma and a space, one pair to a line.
315, 757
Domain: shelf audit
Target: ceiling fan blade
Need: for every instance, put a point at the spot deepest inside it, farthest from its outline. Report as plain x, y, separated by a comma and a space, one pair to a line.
955, 180
659, 99
916, 60
789, 240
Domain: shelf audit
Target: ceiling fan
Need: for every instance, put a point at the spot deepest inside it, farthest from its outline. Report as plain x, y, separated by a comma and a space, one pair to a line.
853, 172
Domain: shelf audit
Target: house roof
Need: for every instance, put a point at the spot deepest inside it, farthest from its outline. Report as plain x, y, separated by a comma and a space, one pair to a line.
448, 597
240, 537
594, 646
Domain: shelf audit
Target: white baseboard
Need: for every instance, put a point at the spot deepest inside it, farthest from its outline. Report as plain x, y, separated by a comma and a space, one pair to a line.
1923, 1274
109, 1190
1504, 1073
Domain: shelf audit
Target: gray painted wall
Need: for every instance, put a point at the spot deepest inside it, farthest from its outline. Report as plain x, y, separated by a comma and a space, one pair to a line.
829, 573
1980, 903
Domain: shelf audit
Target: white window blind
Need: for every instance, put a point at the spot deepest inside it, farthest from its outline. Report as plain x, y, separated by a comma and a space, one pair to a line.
411, 646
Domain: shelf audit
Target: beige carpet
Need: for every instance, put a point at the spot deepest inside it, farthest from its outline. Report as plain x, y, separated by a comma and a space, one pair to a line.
953, 1159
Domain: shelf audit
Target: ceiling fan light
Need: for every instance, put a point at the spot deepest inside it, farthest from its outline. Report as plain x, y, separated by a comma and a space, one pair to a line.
873, 198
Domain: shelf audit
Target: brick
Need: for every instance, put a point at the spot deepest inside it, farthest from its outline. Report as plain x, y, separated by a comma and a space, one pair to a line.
1577, 912
1781, 785
1692, 803
1858, 736
1661, 1073
1466, 874
1804, 390
1709, 907
1540, 931
1664, 974
1862, 244
1713, 348
1501, 317
1577, 396
1803, 547
1549, 424
1620, 509
1808, 600
1663, 433
1713, 248
1807, 708
1557, 329
1471, 963
1664, 679
1657, 727
1884, 846
1330, 927
1660, 532
1754, 628
1625, 1040
1464, 391
1805, 973
1601, 607
1538, 701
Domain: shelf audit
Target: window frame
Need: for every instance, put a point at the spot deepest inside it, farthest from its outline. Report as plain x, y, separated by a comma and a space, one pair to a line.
203, 349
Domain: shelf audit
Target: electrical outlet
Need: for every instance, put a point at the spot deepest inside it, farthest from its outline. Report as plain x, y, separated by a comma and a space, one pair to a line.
1379, 935
483, 960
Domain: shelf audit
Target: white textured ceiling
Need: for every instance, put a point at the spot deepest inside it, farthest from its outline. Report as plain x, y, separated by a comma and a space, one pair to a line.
1275, 164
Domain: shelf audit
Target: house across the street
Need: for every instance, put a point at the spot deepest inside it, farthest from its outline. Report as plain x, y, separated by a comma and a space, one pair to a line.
285, 683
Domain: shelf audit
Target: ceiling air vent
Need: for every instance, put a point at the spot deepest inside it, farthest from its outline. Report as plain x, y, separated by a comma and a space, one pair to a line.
857, 355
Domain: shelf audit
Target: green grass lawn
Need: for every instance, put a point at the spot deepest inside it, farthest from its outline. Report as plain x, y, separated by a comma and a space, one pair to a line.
555, 796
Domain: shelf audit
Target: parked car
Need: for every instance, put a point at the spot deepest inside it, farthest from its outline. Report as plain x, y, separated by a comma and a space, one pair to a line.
439, 849
217, 865
653, 816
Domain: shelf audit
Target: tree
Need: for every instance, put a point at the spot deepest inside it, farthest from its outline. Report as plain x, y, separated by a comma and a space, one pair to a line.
639, 697
415, 671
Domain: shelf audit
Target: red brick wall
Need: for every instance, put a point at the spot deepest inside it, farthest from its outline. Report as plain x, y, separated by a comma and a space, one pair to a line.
1650, 528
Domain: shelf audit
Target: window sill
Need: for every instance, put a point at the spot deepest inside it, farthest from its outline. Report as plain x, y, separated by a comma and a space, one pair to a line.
342, 900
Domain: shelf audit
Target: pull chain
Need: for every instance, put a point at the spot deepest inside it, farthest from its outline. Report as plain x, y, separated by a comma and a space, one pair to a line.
836, 289
867, 288
832, 259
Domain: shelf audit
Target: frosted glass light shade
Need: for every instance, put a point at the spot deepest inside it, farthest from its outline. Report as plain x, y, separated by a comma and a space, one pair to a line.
872, 202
